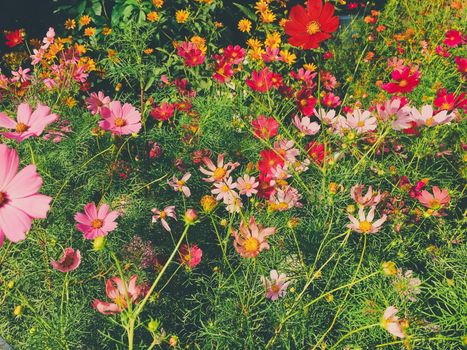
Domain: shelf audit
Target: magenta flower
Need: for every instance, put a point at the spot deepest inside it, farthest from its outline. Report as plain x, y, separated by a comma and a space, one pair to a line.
276, 287
180, 185
96, 222
96, 102
120, 294
190, 255
28, 123
21, 75
68, 262
120, 120
19, 201
168, 212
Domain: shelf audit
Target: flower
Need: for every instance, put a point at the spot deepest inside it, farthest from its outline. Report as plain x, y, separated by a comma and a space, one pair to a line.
306, 126
208, 203
191, 54
365, 223
85, 20
120, 120
164, 112
246, 185
21, 75
369, 199
68, 262
28, 123
19, 201
14, 38
461, 63
260, 81
361, 121
152, 16
285, 199
120, 294
190, 255
405, 81
276, 286
181, 16
250, 240
449, 101
180, 185
407, 285
426, 116
307, 28
265, 127
316, 151
244, 25
269, 160
163, 214
96, 222
305, 101
390, 322
96, 102
438, 200
219, 172
453, 38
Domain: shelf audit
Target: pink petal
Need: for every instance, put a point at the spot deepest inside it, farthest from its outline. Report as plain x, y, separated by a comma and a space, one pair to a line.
9, 162
36, 206
14, 223
27, 182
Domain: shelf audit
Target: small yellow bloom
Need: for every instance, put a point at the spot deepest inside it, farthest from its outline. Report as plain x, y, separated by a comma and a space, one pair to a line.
158, 3
81, 49
261, 6
218, 24
152, 16
282, 22
256, 54
200, 43
106, 31
268, 17
148, 51
90, 31
310, 66
273, 40
85, 20
70, 24
181, 16
254, 43
208, 203
70, 102
244, 25
288, 57
389, 268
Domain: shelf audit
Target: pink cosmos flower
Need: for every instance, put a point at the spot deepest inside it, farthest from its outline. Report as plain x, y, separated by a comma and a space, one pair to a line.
276, 286
365, 223
190, 255
120, 294
390, 322
440, 199
306, 76
168, 212
21, 75
19, 201
219, 172
306, 126
180, 185
224, 189
96, 102
361, 121
328, 117
233, 203
247, 185
369, 199
120, 120
286, 150
28, 123
264, 128
426, 116
192, 56
453, 38
250, 240
234, 54
68, 262
271, 55
284, 199
48, 39
96, 222
330, 100
393, 108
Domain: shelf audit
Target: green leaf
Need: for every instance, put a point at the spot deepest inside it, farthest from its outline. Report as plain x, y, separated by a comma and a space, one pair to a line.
150, 82
97, 7
246, 11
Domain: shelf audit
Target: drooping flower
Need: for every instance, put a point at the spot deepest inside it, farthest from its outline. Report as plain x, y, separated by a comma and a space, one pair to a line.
19, 201
307, 28
391, 323
219, 172
265, 127
276, 286
163, 112
180, 185
28, 123
247, 185
96, 222
250, 240
306, 126
162, 215
190, 255
365, 223
405, 80
440, 199
14, 38
120, 294
96, 102
68, 262
120, 120
369, 199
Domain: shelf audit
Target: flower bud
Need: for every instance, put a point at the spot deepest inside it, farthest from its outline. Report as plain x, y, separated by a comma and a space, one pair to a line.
99, 243
190, 216
208, 203
18, 311
389, 268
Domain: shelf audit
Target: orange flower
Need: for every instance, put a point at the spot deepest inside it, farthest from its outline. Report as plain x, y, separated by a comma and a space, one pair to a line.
90, 31
244, 25
85, 20
152, 16
70, 24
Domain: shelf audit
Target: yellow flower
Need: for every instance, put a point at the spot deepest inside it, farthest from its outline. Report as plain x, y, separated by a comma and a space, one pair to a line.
256, 54
218, 24
261, 6
158, 3
244, 25
254, 43
112, 55
70, 102
148, 51
273, 40
70, 24
199, 42
310, 66
208, 203
81, 49
181, 16
106, 31
282, 22
152, 16
90, 31
268, 17
84, 20
288, 57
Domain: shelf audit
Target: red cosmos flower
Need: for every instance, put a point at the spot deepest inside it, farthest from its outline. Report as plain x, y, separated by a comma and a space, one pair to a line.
183, 106
316, 151
265, 128
405, 81
192, 56
330, 100
449, 101
13, 38
223, 70
261, 81
461, 64
234, 54
453, 38
164, 112
269, 160
305, 102
190, 255
308, 27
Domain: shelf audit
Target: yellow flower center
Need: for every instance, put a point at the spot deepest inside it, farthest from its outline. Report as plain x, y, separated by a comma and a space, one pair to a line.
403, 83
361, 124
187, 257
162, 215
313, 28
251, 245
365, 226
97, 223
248, 186
430, 121
120, 122
446, 105
435, 204
219, 173
21, 127
275, 288
180, 182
